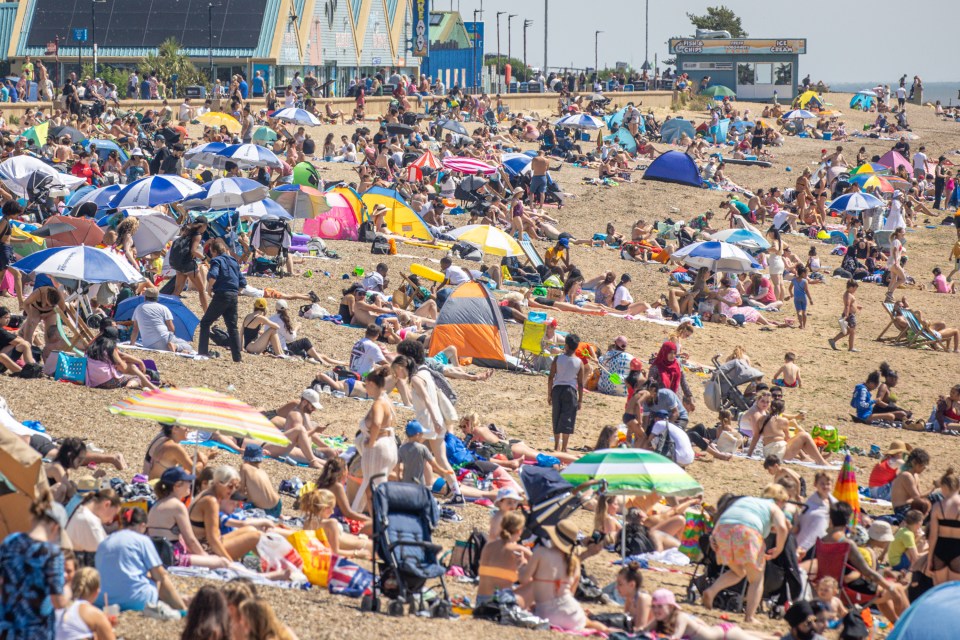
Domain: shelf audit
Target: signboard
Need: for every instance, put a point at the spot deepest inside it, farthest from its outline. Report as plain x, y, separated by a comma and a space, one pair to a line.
421, 28
80, 35
707, 46
708, 66
475, 31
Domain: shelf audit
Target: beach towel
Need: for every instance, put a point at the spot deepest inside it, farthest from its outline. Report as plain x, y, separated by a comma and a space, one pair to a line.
671, 557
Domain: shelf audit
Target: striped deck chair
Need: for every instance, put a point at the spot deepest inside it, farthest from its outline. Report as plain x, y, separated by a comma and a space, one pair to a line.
920, 336
901, 333
530, 251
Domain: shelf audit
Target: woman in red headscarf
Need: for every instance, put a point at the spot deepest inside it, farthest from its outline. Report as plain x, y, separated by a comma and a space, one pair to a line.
667, 372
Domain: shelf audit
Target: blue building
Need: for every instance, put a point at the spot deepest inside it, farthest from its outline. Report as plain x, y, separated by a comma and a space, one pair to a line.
456, 50
754, 68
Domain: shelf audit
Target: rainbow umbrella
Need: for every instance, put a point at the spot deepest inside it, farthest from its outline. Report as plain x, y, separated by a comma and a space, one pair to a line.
201, 408
846, 489
872, 180
871, 167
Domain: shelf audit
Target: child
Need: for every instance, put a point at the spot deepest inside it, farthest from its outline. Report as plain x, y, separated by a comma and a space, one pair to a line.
728, 439
885, 472
955, 256
813, 266
800, 290
636, 601
565, 392
774, 466
417, 459
789, 374
508, 499
940, 283
907, 542
828, 592
848, 317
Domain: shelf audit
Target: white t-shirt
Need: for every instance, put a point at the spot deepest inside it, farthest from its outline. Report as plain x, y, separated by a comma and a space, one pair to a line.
186, 111
85, 530
364, 356
920, 161
151, 319
282, 333
456, 276
373, 282
622, 296
901, 93
680, 440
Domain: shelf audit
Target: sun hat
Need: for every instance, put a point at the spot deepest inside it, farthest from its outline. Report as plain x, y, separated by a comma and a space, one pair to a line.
564, 536
57, 513
282, 304
173, 475
253, 453
897, 447
508, 493
312, 397
664, 597
86, 483
880, 531
620, 341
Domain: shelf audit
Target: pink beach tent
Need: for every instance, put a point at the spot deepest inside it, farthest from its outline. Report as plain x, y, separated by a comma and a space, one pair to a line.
339, 223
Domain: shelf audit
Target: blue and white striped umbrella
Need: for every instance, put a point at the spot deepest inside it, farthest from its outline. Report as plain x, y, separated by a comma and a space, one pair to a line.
152, 191
205, 154
297, 116
263, 209
801, 114
744, 238
87, 264
580, 121
856, 201
516, 163
100, 197
251, 155
227, 193
716, 256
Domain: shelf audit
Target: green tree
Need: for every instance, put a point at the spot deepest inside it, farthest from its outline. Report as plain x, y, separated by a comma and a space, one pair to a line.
170, 60
517, 70
109, 75
720, 18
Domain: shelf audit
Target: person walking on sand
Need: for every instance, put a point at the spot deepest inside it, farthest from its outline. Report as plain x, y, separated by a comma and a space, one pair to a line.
565, 391
538, 183
894, 264
225, 280
848, 317
800, 290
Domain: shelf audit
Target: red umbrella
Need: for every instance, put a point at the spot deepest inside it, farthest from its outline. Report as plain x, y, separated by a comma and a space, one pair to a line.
426, 160
82, 231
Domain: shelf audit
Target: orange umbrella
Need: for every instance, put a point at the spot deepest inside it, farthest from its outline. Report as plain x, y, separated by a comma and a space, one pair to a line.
82, 231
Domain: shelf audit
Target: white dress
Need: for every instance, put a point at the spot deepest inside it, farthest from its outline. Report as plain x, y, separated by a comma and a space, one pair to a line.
377, 460
895, 217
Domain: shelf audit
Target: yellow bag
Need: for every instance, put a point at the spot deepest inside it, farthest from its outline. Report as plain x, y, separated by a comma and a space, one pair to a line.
315, 551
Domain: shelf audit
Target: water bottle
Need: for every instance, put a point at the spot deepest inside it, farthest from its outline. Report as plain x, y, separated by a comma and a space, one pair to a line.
231, 388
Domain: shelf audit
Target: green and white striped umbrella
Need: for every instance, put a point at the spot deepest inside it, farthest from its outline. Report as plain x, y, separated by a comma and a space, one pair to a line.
632, 471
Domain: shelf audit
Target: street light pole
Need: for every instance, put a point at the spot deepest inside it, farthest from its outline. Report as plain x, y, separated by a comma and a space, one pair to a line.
93, 31
510, 36
475, 28
499, 13
546, 11
596, 45
646, 35
526, 23
210, 42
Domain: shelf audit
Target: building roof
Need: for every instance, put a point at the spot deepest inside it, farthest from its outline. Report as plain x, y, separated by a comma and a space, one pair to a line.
8, 16
447, 31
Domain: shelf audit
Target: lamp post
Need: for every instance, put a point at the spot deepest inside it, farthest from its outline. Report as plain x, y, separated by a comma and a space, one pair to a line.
546, 11
210, 7
499, 13
510, 36
526, 23
646, 35
596, 45
93, 31
475, 28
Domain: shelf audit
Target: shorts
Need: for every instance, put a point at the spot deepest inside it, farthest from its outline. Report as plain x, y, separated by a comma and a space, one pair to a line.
800, 304
882, 492
7, 256
117, 383
546, 302
622, 307
272, 294
299, 347
778, 448
738, 544
852, 320
273, 512
628, 417
780, 382
538, 184
565, 402
379, 320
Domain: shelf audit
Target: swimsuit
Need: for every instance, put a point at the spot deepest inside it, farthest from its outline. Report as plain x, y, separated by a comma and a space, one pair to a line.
947, 550
780, 382
511, 575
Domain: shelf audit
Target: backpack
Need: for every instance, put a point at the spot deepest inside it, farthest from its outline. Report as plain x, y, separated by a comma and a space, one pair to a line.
367, 232
466, 554
180, 253
467, 251
667, 447
380, 246
219, 337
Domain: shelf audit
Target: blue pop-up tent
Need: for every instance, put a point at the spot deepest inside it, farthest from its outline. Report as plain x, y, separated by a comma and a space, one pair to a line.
672, 129
863, 100
624, 139
674, 166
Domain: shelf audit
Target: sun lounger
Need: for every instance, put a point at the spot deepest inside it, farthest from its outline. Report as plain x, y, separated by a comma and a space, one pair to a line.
531, 252
888, 307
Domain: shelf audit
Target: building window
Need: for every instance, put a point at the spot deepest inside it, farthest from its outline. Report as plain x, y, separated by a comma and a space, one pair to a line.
763, 73
783, 74
745, 73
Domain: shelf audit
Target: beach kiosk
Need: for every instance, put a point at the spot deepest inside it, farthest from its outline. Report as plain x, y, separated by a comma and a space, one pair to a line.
753, 68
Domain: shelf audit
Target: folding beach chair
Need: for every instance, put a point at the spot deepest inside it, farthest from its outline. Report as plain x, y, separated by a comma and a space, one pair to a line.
831, 563
532, 354
531, 252
919, 336
889, 308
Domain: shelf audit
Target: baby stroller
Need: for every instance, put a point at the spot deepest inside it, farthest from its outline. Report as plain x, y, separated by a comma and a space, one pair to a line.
270, 241
404, 516
490, 120
39, 200
722, 392
551, 499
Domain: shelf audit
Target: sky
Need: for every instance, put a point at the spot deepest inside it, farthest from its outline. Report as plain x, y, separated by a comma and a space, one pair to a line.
837, 49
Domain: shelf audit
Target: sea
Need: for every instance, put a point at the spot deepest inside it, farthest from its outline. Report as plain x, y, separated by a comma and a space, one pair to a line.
945, 92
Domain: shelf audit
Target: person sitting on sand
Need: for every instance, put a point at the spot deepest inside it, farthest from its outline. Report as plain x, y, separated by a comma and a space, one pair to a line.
789, 374
502, 558
773, 430
318, 507
865, 405
259, 331
293, 419
508, 499
165, 451
497, 442
255, 483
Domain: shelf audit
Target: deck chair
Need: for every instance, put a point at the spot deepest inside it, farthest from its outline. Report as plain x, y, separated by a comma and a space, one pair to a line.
831, 563
532, 354
530, 252
919, 336
889, 307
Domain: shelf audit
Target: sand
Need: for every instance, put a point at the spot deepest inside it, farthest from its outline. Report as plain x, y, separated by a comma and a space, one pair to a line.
516, 402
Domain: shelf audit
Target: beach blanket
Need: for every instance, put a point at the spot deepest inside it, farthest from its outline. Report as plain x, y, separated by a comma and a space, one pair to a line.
802, 463
671, 557
653, 319
232, 572
191, 356
213, 444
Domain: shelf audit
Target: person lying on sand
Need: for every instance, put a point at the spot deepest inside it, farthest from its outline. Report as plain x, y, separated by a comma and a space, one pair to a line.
515, 451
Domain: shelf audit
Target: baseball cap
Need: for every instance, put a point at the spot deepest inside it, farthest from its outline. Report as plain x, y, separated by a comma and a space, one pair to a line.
564, 242
253, 453
508, 493
173, 475
661, 413
312, 397
414, 428
621, 341
282, 304
238, 497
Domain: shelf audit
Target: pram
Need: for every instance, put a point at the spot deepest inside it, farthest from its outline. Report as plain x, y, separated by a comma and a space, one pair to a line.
270, 242
721, 392
551, 499
490, 120
404, 516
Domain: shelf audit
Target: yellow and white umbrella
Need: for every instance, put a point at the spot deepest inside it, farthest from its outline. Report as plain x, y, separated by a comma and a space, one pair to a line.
217, 119
490, 239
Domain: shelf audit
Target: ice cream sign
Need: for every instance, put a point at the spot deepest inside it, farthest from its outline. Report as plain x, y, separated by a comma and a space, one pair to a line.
755, 46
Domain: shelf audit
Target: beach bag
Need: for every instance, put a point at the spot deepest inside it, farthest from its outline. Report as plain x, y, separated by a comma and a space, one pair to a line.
71, 368
694, 528
457, 452
712, 395
367, 232
638, 542
443, 387
587, 589
314, 555
466, 553
380, 246
348, 578
467, 251
666, 446
220, 337
180, 253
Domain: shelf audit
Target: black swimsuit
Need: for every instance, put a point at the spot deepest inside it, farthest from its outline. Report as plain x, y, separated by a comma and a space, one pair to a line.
250, 334
947, 550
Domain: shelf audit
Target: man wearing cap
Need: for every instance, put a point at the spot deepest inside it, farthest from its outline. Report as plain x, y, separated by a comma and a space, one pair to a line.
225, 280
153, 325
558, 255
255, 483
683, 450
293, 419
802, 620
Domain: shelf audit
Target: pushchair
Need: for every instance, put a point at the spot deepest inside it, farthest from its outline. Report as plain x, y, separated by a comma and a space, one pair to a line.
490, 120
722, 392
40, 202
781, 580
270, 241
404, 516
551, 499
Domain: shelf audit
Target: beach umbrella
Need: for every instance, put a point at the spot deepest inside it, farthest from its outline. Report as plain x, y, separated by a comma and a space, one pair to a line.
872, 181
454, 127
870, 167
300, 201
201, 408
216, 119
930, 617
100, 197
845, 490
263, 209
37, 134
632, 472
296, 116
490, 239
154, 232
104, 147
867, 92
468, 165
24, 243
153, 191
716, 256
264, 134
799, 114
426, 160
205, 154
75, 135
87, 264
743, 238
66, 231
516, 163
581, 121
16, 172
251, 155
184, 320
399, 129
857, 201
719, 91
227, 193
